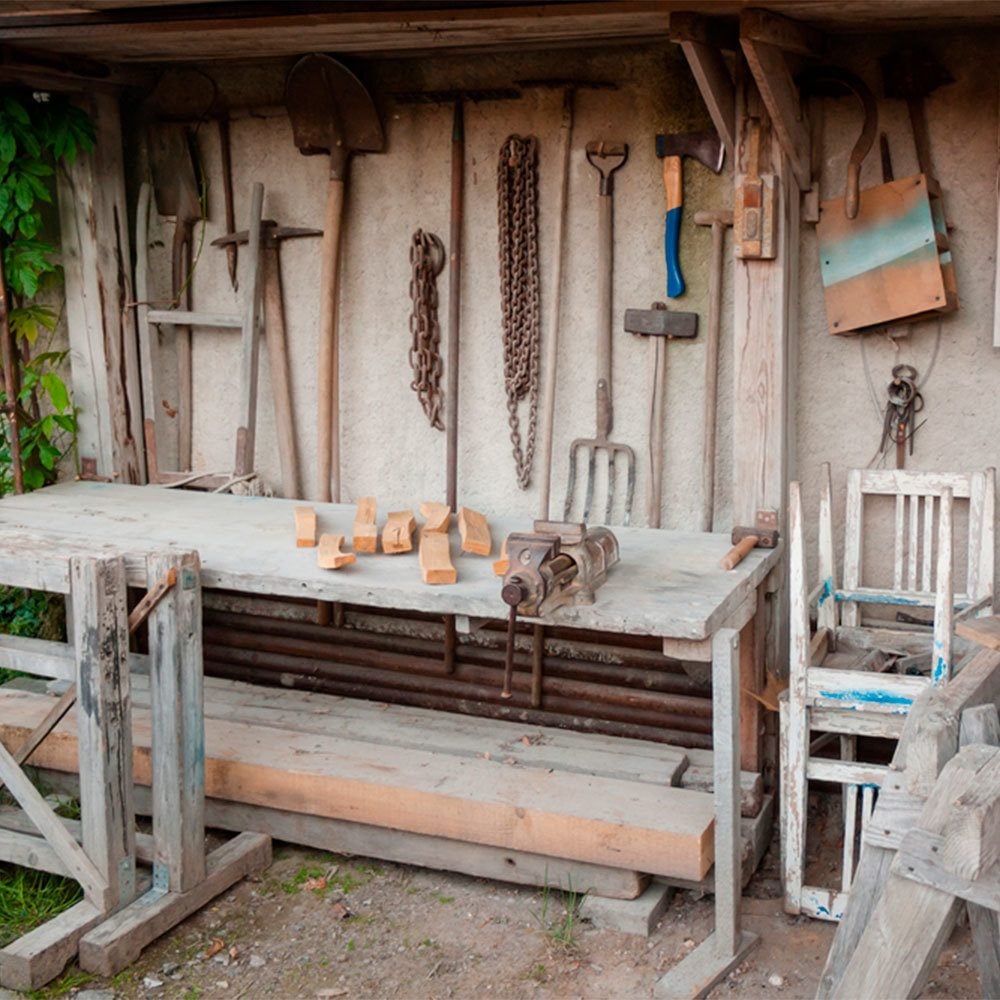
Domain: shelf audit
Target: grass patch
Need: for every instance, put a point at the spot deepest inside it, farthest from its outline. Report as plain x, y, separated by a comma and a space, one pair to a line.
558, 916
343, 881
443, 899
28, 898
72, 979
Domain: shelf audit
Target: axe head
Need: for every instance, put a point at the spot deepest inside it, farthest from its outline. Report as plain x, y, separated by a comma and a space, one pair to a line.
706, 147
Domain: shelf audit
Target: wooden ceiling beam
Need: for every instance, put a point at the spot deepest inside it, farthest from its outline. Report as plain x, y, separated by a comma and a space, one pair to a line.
701, 39
778, 90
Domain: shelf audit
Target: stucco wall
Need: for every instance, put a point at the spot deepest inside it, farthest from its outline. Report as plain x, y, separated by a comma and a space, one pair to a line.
387, 446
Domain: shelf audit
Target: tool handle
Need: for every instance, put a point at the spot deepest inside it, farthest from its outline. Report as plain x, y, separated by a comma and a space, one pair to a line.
739, 552
673, 190
328, 356
605, 268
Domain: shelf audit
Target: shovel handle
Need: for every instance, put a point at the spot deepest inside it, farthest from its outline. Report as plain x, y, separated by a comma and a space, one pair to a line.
673, 192
605, 268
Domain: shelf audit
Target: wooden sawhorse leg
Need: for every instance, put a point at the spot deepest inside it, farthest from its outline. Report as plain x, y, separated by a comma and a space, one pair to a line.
728, 944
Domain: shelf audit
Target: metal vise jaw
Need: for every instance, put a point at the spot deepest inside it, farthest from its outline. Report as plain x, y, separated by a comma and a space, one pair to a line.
558, 563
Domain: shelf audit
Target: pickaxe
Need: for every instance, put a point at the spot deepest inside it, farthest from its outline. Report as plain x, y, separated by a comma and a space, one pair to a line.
705, 147
277, 348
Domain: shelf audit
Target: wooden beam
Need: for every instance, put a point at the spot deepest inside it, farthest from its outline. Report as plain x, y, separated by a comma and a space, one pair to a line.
330, 556
714, 32
781, 98
475, 532
759, 25
97, 259
716, 87
365, 530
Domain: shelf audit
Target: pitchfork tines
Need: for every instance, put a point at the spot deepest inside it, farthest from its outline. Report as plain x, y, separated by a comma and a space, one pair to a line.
587, 449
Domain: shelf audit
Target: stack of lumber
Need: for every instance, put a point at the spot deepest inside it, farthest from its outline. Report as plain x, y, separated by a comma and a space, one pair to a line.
606, 802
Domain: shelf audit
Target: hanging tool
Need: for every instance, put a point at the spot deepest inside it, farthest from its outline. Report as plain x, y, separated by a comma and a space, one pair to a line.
332, 113
763, 535
427, 258
606, 158
569, 89
520, 291
707, 148
719, 221
659, 325
754, 201
828, 81
558, 563
178, 193
904, 403
911, 75
271, 235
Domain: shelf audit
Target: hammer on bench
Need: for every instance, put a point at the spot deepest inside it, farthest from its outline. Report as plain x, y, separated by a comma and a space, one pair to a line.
707, 148
659, 325
271, 235
764, 535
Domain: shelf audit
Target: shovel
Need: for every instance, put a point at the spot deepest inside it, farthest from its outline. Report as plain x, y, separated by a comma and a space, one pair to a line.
331, 113
178, 193
605, 158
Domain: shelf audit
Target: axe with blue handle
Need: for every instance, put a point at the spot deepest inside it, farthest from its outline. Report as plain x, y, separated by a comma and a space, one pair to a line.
705, 147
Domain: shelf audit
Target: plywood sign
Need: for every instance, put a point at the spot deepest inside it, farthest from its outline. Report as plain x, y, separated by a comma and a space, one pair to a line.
889, 264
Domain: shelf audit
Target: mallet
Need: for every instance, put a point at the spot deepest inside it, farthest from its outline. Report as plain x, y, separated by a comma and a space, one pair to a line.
659, 324
764, 535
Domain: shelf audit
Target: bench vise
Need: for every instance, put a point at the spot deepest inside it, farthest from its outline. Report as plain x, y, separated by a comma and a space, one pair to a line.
558, 563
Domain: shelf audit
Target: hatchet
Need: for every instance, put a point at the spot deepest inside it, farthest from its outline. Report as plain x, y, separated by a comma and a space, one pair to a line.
707, 148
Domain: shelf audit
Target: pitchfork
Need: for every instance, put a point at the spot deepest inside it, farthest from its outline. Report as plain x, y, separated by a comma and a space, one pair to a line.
605, 158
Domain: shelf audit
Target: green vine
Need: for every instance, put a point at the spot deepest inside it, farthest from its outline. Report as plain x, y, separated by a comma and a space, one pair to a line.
38, 133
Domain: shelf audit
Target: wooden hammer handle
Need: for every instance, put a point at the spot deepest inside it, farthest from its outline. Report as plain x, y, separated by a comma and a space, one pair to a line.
739, 552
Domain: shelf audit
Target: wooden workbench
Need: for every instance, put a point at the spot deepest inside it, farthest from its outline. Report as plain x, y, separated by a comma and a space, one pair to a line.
667, 584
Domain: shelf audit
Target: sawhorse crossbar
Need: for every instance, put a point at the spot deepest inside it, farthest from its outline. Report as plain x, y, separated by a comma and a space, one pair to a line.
116, 919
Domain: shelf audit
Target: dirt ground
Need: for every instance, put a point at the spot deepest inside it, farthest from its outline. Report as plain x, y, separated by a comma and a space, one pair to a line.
317, 925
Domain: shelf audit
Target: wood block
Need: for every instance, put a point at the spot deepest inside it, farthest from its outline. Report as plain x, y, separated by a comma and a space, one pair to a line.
501, 565
984, 631
365, 531
437, 516
475, 532
330, 556
305, 527
397, 535
435, 558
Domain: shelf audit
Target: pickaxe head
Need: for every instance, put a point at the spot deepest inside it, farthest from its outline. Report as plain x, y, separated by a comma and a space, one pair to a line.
270, 234
706, 147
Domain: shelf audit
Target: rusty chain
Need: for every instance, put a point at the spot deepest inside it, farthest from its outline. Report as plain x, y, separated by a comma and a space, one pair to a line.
520, 296
427, 259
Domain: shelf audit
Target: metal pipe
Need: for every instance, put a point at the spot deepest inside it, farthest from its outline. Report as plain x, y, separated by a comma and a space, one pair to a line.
454, 300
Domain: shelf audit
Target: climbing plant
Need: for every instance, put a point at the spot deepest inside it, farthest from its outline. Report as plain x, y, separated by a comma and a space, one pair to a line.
38, 133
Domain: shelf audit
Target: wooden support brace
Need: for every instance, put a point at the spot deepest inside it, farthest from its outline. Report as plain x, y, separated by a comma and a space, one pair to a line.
150, 599
437, 516
330, 556
365, 531
305, 527
435, 558
397, 535
475, 532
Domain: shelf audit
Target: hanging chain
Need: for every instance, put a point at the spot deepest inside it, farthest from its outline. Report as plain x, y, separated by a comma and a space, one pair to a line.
904, 403
520, 295
427, 260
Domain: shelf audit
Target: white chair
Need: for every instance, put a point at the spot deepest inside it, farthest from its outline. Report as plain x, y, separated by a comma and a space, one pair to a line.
824, 702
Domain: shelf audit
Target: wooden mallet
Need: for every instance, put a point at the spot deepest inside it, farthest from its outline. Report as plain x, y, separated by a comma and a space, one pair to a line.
764, 535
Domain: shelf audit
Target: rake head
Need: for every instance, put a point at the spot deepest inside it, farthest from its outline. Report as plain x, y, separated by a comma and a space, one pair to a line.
618, 456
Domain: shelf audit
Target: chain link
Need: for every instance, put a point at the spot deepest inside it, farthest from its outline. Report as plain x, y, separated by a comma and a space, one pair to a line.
520, 296
427, 260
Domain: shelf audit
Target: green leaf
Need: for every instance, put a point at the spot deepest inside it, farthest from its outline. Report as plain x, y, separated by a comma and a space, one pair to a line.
8, 147
56, 389
23, 194
34, 479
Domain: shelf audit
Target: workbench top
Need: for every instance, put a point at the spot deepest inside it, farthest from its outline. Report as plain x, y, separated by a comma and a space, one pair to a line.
668, 583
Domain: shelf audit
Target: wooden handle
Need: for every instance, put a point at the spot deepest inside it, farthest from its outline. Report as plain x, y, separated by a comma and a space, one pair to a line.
673, 191
739, 552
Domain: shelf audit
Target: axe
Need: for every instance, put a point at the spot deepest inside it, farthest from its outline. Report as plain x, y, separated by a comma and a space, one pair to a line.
708, 149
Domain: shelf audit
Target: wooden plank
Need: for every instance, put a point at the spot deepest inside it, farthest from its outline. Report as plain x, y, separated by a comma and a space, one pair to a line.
898, 543
944, 604
397, 535
752, 683
836, 720
926, 580
365, 537
474, 531
435, 558
660, 587
40, 657
619, 823
826, 607
36, 958
850, 613
103, 711
437, 516
920, 859
246, 429
982, 631
96, 260
785, 33
715, 84
17, 821
185, 317
330, 556
119, 940
178, 752
305, 527
891, 482
29, 850
911, 554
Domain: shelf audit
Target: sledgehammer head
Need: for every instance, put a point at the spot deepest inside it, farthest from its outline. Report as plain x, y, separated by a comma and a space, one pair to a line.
706, 147
658, 321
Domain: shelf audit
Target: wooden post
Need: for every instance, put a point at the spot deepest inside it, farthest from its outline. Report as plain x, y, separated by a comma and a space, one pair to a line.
175, 681
104, 721
93, 217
